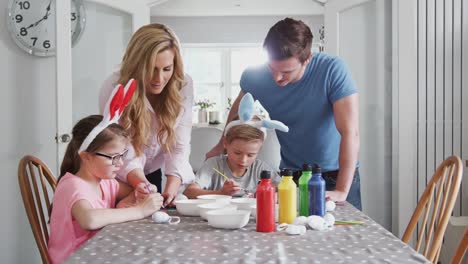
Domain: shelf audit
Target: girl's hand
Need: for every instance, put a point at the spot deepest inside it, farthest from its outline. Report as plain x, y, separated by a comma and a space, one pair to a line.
143, 190
150, 204
230, 187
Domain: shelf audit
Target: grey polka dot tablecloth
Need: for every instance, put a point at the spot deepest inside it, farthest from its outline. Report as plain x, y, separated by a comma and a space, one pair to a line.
194, 241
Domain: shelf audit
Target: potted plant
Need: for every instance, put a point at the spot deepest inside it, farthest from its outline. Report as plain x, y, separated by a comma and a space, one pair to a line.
204, 105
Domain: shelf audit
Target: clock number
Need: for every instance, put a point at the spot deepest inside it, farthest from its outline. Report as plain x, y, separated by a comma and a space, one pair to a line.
19, 18
46, 44
73, 16
23, 31
34, 41
25, 5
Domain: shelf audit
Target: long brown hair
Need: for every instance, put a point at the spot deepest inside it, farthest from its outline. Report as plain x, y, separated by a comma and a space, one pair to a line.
71, 161
289, 38
138, 63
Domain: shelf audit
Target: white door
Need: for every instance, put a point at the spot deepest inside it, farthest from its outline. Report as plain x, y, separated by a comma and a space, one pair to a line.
81, 70
359, 32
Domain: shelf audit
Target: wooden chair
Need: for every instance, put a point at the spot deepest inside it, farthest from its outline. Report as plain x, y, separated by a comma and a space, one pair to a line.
35, 177
437, 201
461, 250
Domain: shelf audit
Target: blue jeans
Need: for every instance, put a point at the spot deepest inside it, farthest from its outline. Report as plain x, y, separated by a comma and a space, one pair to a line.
354, 195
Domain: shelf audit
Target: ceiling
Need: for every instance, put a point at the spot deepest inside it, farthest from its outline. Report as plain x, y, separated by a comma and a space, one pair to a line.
237, 7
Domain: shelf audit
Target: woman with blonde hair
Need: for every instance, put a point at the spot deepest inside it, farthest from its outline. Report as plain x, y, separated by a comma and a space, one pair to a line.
159, 115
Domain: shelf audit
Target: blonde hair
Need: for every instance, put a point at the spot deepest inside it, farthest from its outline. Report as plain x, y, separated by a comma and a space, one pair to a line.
244, 132
138, 63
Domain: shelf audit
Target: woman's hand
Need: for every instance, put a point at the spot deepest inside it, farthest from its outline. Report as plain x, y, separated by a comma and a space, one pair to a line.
143, 190
170, 190
230, 187
150, 204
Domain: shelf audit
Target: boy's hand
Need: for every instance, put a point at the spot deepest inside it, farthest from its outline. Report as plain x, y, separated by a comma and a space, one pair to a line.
143, 190
230, 187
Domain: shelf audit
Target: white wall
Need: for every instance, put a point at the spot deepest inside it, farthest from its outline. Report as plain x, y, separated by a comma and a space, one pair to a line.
97, 54
231, 29
365, 53
27, 106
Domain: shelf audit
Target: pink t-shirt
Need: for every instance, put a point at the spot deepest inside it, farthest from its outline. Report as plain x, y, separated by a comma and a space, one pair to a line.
66, 235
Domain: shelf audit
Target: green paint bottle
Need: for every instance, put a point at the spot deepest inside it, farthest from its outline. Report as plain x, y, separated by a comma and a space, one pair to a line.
304, 189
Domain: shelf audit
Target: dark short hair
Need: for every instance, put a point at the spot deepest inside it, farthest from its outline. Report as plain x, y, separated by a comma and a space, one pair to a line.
289, 38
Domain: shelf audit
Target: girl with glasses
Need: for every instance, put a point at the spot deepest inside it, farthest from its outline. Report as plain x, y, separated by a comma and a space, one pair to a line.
88, 197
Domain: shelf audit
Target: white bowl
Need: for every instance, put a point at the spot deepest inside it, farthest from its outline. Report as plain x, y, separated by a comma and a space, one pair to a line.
244, 203
189, 207
226, 218
204, 208
215, 197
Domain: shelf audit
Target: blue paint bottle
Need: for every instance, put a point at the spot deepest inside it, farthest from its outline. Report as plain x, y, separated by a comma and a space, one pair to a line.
316, 192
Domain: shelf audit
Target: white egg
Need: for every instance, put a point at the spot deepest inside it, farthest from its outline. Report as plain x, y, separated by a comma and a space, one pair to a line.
300, 220
330, 206
180, 197
160, 217
316, 222
296, 230
329, 219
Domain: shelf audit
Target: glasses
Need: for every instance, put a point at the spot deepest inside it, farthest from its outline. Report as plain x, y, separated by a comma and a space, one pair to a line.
115, 159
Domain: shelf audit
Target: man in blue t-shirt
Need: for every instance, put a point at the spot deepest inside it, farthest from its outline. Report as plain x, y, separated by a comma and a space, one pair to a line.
314, 95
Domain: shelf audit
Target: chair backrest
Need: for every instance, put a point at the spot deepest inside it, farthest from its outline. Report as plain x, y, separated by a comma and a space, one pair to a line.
37, 184
203, 139
270, 151
462, 247
434, 208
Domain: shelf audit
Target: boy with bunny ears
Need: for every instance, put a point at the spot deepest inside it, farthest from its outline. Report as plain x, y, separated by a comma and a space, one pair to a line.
243, 140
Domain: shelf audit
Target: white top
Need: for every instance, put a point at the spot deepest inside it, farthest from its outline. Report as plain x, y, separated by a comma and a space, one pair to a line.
154, 156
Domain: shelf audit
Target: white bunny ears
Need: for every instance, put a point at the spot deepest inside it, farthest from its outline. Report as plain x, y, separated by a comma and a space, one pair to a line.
114, 108
246, 113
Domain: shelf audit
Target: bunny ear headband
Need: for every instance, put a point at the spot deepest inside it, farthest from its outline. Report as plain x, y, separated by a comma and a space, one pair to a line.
246, 113
114, 108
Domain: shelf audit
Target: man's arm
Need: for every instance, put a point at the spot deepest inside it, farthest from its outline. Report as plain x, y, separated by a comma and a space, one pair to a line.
218, 148
346, 113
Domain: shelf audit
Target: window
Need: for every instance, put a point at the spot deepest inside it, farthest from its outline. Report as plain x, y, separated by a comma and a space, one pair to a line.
216, 70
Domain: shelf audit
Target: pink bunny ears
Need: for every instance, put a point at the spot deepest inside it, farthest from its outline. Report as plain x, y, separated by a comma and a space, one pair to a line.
112, 111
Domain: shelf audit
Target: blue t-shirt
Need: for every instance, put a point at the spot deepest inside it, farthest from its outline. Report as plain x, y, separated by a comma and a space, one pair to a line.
306, 107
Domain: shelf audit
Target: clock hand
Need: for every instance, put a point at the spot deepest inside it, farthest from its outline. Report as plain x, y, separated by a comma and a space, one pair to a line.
48, 7
40, 20
43, 18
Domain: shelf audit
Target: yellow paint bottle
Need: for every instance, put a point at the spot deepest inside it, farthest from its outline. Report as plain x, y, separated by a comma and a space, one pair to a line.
287, 196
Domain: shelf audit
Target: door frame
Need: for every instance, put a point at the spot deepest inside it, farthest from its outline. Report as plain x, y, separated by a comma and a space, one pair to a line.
140, 13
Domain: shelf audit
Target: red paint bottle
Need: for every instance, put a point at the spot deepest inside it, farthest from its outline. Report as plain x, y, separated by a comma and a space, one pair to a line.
265, 204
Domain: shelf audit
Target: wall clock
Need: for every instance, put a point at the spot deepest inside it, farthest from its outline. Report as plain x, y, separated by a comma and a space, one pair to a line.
32, 24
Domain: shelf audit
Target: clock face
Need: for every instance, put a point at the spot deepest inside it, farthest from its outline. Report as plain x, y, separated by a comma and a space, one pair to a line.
32, 24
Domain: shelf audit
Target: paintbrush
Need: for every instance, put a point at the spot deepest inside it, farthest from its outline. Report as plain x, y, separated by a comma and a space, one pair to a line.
342, 222
220, 173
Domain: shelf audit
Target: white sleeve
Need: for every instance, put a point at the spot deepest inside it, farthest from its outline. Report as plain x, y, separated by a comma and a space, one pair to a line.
177, 163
